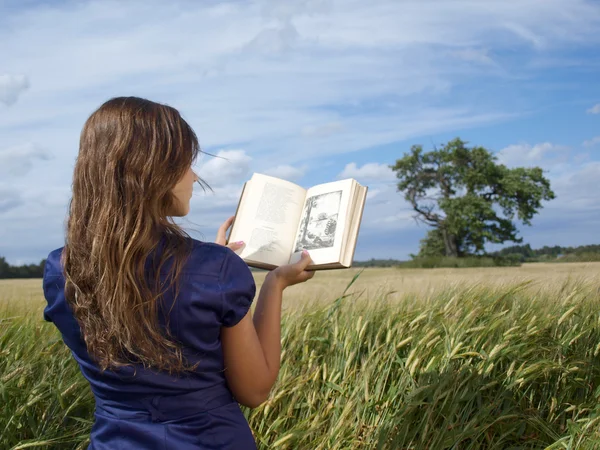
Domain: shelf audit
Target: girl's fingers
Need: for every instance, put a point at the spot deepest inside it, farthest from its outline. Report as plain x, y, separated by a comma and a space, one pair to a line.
308, 274
222, 232
235, 245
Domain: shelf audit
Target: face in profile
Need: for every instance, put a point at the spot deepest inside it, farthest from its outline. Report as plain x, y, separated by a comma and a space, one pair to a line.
183, 193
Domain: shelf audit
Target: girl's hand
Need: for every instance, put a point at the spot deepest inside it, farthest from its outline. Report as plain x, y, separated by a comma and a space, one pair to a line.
290, 274
222, 236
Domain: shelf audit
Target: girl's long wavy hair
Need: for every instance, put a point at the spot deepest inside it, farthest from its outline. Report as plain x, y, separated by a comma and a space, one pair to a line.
132, 153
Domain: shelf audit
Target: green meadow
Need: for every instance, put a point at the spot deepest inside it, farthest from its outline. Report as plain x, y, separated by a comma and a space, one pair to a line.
494, 358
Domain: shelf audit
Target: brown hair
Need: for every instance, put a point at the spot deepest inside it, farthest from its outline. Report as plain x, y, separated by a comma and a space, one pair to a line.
132, 152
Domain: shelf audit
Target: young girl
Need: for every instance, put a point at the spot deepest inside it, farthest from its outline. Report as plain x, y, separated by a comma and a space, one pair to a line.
159, 323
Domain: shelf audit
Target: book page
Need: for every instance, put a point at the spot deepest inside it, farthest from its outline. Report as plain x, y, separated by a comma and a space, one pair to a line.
267, 219
323, 221
356, 214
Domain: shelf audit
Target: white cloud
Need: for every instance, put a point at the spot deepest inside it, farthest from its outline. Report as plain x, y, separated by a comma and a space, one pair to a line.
480, 56
9, 199
370, 171
573, 178
403, 219
11, 87
592, 142
221, 198
18, 161
223, 168
594, 109
386, 209
573, 218
274, 40
285, 11
576, 195
372, 193
322, 130
286, 172
544, 154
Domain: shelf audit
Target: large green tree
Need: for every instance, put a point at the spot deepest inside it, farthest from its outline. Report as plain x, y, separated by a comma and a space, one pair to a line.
468, 197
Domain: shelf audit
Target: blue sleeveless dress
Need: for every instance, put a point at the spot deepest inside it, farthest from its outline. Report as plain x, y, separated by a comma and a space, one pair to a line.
139, 408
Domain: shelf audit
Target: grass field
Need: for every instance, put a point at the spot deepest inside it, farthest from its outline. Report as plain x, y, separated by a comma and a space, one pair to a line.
499, 358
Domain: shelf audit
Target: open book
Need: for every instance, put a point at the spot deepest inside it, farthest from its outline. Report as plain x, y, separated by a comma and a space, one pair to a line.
278, 219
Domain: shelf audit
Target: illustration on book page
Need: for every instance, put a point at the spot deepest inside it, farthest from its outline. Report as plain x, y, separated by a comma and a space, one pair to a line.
319, 221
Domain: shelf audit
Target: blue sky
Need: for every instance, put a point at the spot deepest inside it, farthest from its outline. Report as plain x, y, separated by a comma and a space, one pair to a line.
308, 90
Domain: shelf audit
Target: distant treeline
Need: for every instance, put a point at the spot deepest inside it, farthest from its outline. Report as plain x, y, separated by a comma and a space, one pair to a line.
24, 271
525, 253
509, 256
377, 263
435, 262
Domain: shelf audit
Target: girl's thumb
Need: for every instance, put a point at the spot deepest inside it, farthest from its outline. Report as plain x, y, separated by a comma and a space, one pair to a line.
305, 259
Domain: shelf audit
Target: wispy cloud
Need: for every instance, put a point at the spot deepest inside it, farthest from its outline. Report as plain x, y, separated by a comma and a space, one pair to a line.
591, 142
322, 130
476, 55
528, 155
9, 199
286, 172
17, 161
11, 87
572, 176
368, 172
227, 166
594, 109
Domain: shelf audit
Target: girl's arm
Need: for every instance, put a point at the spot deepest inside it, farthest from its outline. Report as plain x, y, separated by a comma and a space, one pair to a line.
252, 348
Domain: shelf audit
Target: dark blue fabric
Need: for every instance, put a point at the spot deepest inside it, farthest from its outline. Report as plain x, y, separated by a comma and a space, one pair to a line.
138, 408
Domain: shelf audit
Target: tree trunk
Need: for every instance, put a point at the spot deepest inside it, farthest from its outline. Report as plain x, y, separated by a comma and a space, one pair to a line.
450, 244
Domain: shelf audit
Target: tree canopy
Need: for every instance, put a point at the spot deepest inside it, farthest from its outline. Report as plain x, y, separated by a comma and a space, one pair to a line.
468, 197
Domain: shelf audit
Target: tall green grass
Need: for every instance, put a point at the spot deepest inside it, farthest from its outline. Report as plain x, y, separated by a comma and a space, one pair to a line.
476, 368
